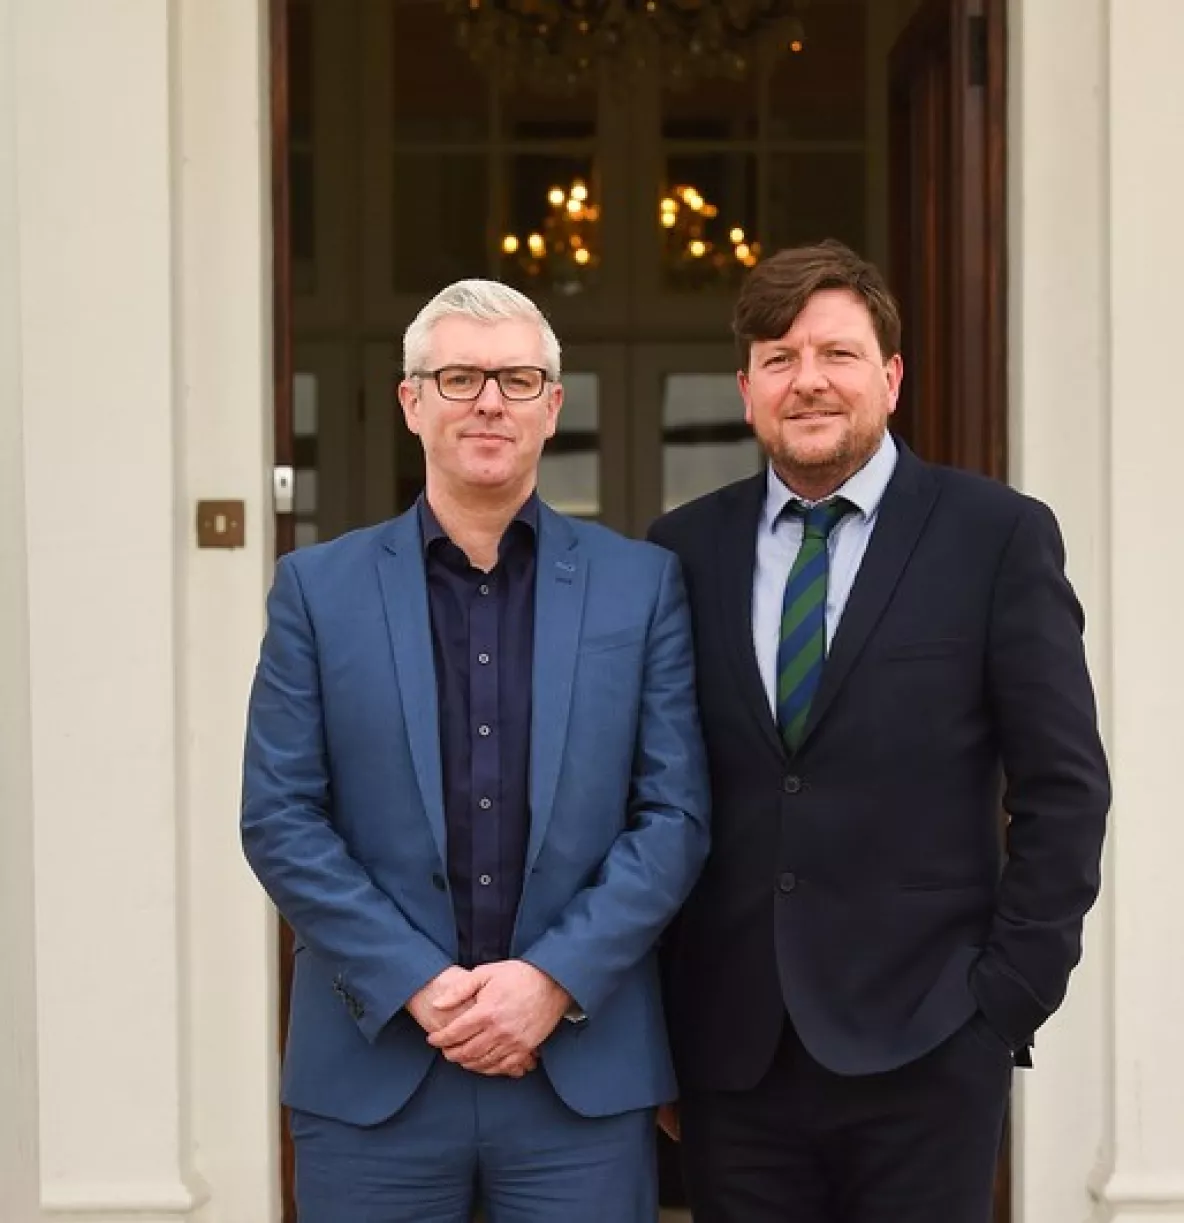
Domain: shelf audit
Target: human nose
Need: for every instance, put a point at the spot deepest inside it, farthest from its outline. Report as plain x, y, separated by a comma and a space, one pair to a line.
490, 399
810, 376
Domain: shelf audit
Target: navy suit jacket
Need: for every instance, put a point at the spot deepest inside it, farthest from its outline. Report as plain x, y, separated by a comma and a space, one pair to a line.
862, 882
343, 810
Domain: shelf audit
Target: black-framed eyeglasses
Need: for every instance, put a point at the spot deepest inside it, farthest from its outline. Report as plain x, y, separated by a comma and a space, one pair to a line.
463, 382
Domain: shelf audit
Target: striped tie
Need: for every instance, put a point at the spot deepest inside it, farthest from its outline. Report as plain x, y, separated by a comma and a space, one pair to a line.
802, 644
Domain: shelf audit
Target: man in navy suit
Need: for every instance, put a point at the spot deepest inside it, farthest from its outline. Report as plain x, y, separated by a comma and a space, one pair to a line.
886, 651
474, 786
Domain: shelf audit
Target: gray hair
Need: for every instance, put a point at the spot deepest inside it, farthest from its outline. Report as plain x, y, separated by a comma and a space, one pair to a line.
487, 301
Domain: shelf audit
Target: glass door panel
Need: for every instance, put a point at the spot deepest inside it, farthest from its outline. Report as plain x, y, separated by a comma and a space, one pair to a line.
688, 430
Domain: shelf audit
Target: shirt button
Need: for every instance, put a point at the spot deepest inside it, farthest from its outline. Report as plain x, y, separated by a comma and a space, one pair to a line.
787, 882
485, 880
484, 588
483, 731
792, 785
485, 804
483, 659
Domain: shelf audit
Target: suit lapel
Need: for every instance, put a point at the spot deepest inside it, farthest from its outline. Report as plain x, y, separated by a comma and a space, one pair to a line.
560, 584
736, 561
906, 506
403, 579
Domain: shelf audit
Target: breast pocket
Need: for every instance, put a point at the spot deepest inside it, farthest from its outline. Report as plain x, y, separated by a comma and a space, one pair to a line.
916, 651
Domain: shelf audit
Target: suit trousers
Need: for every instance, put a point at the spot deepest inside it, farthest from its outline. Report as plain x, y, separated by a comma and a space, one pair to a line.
463, 1142
918, 1144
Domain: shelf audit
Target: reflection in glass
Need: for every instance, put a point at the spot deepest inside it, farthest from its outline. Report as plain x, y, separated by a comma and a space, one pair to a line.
551, 230
705, 441
820, 92
725, 111
438, 226
708, 217
569, 474
800, 212
304, 405
438, 93
305, 414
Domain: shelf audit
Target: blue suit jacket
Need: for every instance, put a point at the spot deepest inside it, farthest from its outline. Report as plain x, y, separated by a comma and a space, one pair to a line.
343, 811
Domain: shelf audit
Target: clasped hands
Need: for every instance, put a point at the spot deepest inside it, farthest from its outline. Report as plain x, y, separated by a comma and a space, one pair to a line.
490, 1019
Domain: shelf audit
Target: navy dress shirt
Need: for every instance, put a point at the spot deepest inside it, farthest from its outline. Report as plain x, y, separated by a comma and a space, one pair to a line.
483, 642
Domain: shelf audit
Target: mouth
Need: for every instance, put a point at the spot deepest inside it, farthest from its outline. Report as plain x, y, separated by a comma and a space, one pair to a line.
814, 414
485, 437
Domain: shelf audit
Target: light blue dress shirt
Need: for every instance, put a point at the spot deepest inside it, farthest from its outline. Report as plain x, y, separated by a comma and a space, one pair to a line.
779, 538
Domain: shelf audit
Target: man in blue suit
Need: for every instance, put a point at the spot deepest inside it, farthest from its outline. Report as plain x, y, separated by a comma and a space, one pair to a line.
474, 785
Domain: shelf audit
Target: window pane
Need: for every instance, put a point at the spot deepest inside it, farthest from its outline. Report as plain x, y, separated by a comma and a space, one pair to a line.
715, 110
304, 405
440, 204
708, 218
552, 222
569, 475
820, 93
300, 73
529, 115
705, 441
439, 93
816, 195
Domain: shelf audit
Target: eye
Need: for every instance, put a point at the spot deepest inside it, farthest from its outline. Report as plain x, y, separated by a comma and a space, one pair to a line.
777, 360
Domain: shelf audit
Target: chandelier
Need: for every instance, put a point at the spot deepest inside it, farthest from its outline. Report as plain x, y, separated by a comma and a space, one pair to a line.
563, 44
698, 247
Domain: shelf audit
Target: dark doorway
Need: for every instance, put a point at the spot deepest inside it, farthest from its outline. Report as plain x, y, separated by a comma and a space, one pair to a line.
885, 129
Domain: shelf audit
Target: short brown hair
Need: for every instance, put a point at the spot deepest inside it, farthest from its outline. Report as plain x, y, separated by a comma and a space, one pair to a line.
776, 291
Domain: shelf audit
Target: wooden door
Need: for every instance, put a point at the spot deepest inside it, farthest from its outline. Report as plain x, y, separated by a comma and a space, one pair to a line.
948, 254
947, 238
285, 522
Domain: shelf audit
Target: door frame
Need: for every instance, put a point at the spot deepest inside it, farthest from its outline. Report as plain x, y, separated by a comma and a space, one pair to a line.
980, 443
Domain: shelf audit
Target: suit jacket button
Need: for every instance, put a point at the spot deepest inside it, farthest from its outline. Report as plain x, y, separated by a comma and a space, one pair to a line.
438, 882
791, 785
787, 882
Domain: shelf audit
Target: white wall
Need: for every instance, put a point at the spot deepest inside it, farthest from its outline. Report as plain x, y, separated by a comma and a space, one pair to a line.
1059, 433
141, 381
225, 381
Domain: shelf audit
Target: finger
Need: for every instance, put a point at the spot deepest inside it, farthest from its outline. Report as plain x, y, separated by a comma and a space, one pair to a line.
513, 1065
456, 993
474, 1054
462, 1027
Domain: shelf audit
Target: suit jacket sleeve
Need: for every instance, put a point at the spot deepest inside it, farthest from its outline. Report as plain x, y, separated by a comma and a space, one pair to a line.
380, 959
1057, 788
609, 926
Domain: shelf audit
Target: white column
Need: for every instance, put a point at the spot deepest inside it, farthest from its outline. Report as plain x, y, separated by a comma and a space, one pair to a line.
99, 333
1146, 270
18, 1037
226, 421
1059, 451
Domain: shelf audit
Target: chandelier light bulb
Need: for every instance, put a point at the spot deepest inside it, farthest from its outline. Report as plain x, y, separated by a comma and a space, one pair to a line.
509, 244
556, 196
737, 234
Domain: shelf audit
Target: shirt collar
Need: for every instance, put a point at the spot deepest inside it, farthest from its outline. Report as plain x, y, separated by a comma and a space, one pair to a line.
429, 524
865, 489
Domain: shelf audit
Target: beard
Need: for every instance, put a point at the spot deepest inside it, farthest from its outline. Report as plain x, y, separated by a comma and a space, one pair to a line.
816, 467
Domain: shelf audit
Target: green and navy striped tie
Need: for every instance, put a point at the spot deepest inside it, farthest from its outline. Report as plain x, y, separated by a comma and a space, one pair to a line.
802, 645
